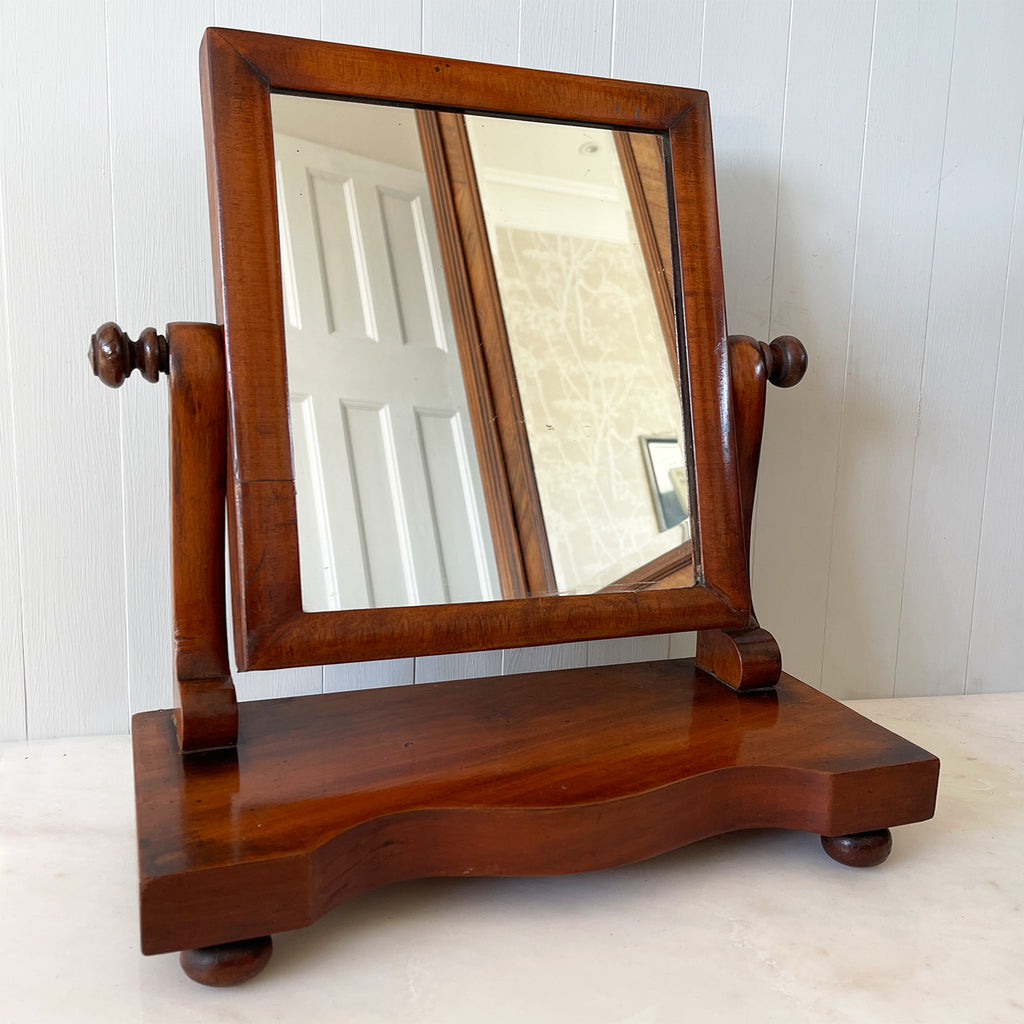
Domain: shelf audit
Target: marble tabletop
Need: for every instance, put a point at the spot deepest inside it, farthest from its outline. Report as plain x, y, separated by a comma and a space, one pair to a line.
757, 926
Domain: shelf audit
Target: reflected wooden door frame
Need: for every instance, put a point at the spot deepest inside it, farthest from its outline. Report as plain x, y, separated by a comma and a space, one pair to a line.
525, 565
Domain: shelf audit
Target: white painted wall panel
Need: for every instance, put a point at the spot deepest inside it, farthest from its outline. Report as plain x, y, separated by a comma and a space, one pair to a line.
972, 240
815, 243
743, 68
909, 300
296, 18
658, 41
12, 661
470, 30
888, 319
994, 656
161, 189
58, 243
392, 24
574, 36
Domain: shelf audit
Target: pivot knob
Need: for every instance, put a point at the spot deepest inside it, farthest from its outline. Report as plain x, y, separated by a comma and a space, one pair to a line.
785, 359
114, 355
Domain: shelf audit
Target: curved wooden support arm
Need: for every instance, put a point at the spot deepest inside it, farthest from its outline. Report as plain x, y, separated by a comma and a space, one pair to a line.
207, 711
749, 658
192, 355
114, 355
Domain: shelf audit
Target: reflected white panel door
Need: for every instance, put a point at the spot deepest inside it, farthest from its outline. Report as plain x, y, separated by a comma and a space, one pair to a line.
388, 493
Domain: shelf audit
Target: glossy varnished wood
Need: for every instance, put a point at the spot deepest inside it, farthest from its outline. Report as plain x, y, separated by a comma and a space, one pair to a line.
192, 355
114, 356
860, 850
239, 72
327, 796
748, 657
227, 964
207, 712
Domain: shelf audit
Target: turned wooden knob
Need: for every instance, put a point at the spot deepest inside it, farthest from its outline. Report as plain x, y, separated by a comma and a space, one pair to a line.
786, 360
114, 355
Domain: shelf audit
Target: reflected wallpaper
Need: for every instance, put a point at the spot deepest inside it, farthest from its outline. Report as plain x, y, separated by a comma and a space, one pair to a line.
594, 376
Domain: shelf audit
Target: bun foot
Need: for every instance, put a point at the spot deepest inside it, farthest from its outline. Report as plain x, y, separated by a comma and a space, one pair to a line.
228, 964
860, 850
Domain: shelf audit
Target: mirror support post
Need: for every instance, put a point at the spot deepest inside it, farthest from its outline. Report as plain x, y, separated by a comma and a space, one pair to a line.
748, 658
206, 709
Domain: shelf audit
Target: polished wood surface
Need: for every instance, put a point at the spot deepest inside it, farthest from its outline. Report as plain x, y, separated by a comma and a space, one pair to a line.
207, 712
748, 657
745, 659
113, 355
262, 817
327, 796
239, 70
860, 850
227, 964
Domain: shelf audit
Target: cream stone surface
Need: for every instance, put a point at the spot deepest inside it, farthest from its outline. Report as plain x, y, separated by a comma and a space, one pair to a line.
756, 926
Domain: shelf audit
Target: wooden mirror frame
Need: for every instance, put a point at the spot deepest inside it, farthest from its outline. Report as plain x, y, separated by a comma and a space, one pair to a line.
239, 71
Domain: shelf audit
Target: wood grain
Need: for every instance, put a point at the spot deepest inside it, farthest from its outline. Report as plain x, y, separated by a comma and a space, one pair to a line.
206, 712
531, 774
271, 628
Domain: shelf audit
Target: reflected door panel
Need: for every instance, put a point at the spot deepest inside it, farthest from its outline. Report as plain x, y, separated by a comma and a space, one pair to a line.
390, 510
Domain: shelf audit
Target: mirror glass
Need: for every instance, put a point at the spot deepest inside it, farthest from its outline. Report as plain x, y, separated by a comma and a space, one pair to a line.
390, 494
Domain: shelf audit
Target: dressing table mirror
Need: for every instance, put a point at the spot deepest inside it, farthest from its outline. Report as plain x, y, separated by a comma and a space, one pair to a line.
471, 389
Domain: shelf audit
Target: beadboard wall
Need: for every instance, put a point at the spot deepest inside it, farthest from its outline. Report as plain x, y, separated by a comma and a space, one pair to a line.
869, 171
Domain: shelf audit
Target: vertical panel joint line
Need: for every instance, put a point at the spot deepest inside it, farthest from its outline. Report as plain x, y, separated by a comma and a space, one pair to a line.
992, 416
849, 325
924, 350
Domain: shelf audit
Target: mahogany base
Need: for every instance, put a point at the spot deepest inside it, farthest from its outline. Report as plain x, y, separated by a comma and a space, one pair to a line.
546, 773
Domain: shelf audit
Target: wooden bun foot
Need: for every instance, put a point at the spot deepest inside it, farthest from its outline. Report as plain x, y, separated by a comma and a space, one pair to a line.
860, 850
229, 964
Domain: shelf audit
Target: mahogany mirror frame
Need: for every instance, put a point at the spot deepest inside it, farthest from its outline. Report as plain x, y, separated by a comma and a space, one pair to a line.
239, 71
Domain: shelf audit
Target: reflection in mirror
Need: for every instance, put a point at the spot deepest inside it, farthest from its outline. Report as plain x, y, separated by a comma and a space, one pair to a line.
389, 496
591, 357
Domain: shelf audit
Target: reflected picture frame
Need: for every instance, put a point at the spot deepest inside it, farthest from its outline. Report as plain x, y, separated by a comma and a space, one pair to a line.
662, 454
